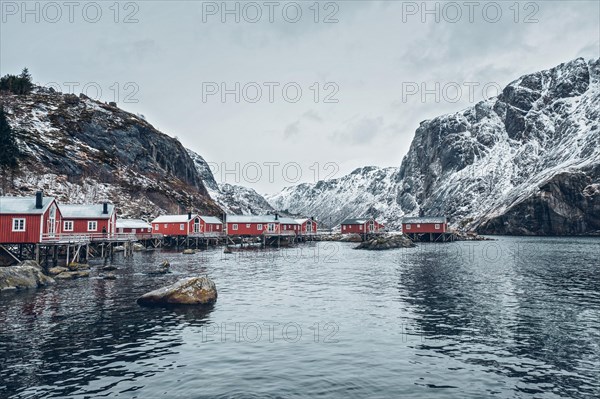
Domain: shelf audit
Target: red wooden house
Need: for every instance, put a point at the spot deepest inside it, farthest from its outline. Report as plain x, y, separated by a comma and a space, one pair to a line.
177, 225
244, 225
99, 220
210, 224
424, 225
139, 227
307, 226
29, 220
361, 226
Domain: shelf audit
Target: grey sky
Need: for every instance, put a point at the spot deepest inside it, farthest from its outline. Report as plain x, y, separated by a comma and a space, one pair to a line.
369, 61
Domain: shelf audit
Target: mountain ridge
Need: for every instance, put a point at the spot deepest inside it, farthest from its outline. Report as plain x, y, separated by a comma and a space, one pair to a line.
484, 165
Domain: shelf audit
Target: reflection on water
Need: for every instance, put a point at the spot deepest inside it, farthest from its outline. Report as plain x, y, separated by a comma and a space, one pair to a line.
517, 317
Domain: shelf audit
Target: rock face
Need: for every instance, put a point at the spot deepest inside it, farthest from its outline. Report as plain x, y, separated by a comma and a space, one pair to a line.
525, 162
82, 150
25, 276
386, 242
189, 291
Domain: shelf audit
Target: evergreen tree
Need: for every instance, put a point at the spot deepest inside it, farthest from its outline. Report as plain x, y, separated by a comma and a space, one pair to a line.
20, 84
9, 151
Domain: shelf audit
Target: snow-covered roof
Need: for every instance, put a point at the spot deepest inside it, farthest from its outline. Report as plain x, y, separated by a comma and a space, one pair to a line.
285, 220
132, 224
210, 219
425, 219
173, 218
86, 211
23, 205
251, 219
301, 221
356, 221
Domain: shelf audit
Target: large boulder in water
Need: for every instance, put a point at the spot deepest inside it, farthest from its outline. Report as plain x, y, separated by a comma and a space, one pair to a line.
188, 291
391, 241
26, 275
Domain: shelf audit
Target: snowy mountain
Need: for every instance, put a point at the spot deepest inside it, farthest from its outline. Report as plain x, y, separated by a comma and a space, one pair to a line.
233, 199
82, 150
365, 191
525, 162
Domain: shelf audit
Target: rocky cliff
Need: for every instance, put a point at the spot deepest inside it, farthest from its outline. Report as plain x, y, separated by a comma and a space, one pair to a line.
233, 199
525, 162
82, 150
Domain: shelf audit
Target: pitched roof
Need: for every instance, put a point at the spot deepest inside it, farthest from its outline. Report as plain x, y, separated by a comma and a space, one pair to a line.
211, 219
285, 220
251, 219
356, 221
132, 224
425, 219
173, 218
86, 211
23, 205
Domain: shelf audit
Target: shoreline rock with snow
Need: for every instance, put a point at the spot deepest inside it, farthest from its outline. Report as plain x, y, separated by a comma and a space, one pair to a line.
26, 275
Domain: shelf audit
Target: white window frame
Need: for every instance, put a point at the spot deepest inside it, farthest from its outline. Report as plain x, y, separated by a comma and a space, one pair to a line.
271, 227
360, 227
20, 224
182, 227
437, 226
344, 227
157, 226
234, 226
259, 226
67, 223
92, 223
408, 226
418, 225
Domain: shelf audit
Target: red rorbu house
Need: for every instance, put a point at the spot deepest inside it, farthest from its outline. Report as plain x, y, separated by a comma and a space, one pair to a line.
245, 225
139, 227
95, 220
361, 226
29, 220
307, 226
421, 225
210, 224
185, 225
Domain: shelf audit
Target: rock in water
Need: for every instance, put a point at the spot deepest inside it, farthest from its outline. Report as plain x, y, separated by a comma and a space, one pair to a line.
27, 275
227, 250
188, 291
188, 251
386, 242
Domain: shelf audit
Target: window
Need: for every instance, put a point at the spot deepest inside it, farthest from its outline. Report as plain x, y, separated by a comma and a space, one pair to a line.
437, 226
234, 227
284, 227
408, 227
418, 225
18, 225
156, 226
182, 227
68, 225
218, 227
92, 225
133, 231
271, 227
344, 227
259, 226
360, 227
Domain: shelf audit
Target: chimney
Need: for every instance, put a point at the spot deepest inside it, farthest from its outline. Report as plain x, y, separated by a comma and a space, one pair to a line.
189, 215
105, 208
39, 200
276, 216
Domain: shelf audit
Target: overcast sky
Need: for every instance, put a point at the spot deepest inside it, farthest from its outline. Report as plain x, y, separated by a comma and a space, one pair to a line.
361, 67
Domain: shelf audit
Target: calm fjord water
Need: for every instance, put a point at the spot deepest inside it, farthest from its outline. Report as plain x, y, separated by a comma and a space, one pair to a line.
512, 318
